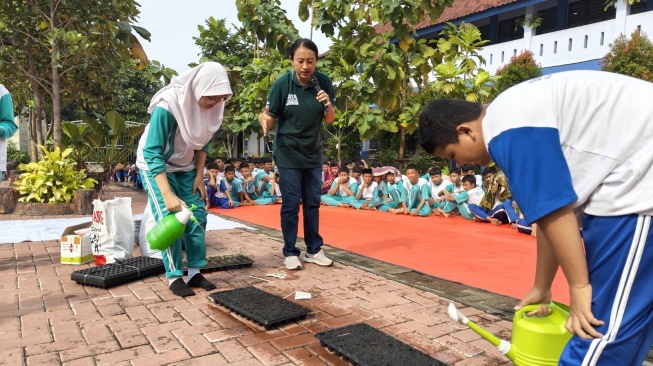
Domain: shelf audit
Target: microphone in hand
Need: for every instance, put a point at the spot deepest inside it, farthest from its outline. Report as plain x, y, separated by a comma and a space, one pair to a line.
317, 87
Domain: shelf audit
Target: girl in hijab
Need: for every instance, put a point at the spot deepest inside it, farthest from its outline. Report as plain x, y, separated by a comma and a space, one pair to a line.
171, 156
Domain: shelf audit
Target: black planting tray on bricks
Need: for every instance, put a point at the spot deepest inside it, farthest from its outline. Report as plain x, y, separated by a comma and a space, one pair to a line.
364, 345
261, 307
123, 271
222, 263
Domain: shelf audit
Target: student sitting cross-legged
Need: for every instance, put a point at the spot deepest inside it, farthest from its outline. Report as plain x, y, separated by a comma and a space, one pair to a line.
366, 197
455, 187
249, 188
416, 193
391, 193
459, 202
496, 206
438, 184
275, 191
222, 194
342, 191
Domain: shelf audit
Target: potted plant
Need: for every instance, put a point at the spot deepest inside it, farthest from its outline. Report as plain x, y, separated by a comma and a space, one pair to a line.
48, 186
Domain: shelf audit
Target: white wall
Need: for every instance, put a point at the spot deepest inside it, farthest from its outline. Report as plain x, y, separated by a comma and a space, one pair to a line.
589, 42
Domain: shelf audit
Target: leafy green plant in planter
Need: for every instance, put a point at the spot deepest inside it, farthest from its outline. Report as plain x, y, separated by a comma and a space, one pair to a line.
15, 155
51, 180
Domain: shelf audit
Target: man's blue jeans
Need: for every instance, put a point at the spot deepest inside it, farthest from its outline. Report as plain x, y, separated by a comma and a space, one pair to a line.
303, 185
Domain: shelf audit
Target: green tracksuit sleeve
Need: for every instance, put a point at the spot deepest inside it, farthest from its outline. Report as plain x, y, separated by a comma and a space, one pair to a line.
7, 125
160, 140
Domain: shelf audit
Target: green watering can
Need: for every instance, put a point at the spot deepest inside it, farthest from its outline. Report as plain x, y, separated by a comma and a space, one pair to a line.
536, 341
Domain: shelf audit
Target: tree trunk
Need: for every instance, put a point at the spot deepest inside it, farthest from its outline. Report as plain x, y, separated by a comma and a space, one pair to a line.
56, 89
402, 102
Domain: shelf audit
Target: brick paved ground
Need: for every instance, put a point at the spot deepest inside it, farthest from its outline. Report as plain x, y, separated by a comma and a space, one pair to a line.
46, 319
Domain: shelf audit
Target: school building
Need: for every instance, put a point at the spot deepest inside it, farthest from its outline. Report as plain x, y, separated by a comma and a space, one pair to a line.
562, 34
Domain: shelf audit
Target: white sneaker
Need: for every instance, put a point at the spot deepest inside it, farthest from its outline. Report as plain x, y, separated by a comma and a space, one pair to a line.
292, 262
318, 258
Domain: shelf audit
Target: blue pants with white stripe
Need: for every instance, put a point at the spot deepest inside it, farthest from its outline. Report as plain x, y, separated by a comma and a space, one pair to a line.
181, 184
620, 262
502, 212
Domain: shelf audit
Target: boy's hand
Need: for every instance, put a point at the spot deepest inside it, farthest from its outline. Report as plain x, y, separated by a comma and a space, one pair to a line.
536, 296
231, 203
581, 321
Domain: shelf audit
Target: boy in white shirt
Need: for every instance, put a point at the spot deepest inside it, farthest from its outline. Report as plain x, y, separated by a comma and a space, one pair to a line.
438, 183
367, 196
577, 149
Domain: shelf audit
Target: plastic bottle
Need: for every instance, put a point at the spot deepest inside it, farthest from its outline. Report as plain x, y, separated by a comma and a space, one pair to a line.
169, 229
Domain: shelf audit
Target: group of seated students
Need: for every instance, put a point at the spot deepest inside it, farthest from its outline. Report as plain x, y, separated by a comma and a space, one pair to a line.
232, 183
485, 198
481, 198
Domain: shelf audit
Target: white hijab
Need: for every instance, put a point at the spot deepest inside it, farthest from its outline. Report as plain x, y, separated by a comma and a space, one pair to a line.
197, 125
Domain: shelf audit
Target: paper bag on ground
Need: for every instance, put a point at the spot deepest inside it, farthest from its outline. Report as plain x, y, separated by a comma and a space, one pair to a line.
112, 230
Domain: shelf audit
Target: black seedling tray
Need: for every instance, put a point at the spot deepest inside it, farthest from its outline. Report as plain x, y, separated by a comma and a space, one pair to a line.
229, 262
364, 345
123, 271
260, 307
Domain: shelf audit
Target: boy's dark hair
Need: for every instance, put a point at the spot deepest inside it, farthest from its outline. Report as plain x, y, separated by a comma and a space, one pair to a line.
213, 166
345, 162
238, 160
388, 173
456, 171
343, 169
439, 120
264, 160
469, 178
252, 160
243, 166
229, 168
435, 171
228, 162
412, 166
357, 169
367, 171
464, 168
490, 170
333, 163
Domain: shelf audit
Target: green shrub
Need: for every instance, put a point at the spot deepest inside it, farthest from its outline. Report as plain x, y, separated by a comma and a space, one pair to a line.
53, 179
15, 155
423, 161
630, 56
520, 68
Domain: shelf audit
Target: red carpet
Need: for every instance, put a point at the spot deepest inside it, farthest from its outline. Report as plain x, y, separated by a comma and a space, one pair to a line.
496, 259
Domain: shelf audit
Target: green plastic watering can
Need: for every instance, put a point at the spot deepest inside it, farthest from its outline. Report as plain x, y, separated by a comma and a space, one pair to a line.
536, 340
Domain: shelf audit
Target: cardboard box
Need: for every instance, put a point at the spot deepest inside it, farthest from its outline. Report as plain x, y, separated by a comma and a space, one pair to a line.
76, 244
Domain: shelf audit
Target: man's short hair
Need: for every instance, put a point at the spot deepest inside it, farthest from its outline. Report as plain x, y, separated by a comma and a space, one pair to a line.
367, 171
343, 169
229, 168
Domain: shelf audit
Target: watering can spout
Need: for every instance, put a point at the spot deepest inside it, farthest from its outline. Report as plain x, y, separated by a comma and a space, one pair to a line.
502, 346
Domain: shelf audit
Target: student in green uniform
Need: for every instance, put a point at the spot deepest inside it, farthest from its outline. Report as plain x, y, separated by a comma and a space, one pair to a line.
171, 156
7, 126
298, 102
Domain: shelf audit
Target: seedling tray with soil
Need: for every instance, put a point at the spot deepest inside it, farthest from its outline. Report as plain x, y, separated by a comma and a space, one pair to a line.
260, 307
123, 271
364, 345
222, 263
